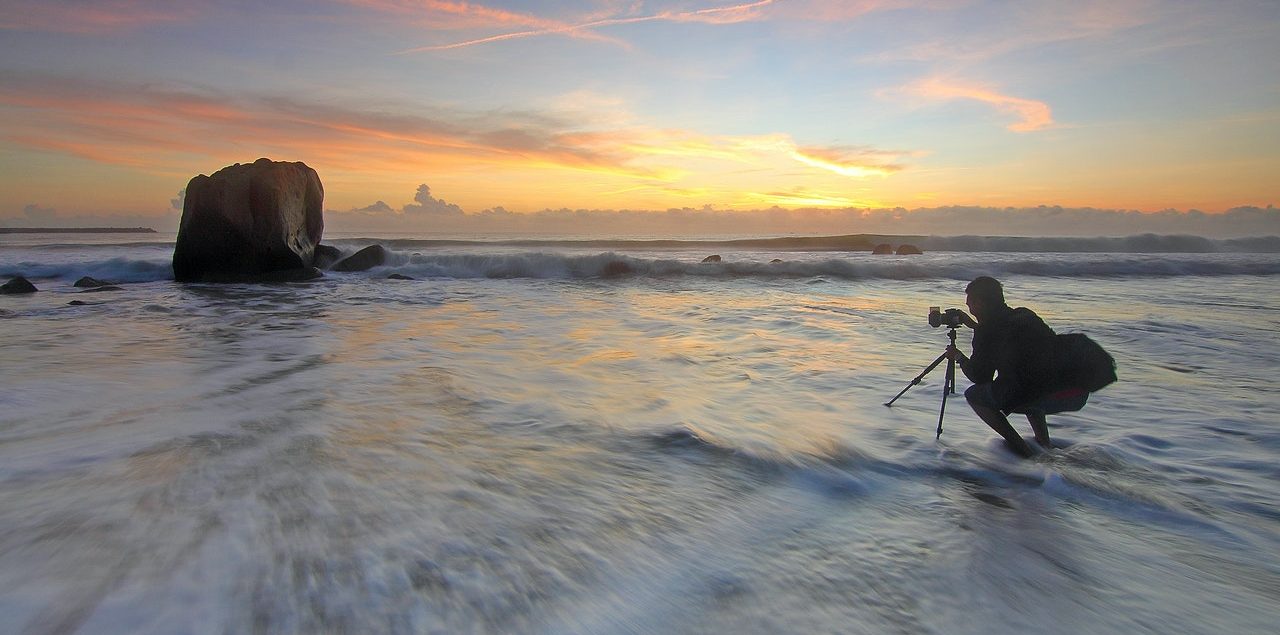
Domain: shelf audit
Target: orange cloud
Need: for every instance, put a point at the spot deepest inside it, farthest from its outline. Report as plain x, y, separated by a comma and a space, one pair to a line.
1032, 115
134, 125
848, 161
518, 158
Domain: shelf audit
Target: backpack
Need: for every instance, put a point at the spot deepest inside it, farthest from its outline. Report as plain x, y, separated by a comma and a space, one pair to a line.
1082, 363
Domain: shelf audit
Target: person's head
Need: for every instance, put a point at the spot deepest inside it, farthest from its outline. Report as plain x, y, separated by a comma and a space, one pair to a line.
983, 296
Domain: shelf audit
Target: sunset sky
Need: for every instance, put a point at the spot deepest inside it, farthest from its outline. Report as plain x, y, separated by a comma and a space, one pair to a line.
108, 107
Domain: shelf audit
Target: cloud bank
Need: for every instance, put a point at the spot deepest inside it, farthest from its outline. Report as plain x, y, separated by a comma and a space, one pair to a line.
429, 214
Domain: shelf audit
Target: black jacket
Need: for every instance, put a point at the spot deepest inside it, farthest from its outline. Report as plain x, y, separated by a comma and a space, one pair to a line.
1016, 349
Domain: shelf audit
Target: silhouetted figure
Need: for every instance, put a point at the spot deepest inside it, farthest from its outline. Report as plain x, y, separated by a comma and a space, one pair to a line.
1012, 367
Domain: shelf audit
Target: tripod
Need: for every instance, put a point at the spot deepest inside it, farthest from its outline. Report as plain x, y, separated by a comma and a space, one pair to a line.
948, 387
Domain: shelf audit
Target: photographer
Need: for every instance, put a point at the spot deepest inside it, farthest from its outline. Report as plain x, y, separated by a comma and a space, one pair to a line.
1012, 366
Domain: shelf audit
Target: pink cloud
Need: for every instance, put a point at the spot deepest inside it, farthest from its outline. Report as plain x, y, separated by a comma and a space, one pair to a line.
1032, 115
731, 14
92, 16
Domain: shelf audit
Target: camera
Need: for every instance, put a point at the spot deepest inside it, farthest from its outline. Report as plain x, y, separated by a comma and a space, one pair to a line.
951, 318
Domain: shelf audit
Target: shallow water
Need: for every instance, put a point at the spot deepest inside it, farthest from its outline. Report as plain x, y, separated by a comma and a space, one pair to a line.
513, 443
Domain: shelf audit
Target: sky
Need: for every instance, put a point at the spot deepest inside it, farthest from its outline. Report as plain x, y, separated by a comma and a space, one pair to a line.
765, 116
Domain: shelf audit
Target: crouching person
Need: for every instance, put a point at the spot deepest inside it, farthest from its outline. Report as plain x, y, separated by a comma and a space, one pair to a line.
1013, 366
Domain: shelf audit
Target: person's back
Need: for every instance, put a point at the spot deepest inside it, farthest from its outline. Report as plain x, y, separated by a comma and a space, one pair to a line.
1017, 348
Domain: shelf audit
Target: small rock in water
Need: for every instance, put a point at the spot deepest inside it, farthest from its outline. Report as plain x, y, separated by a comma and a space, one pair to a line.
883, 249
325, 256
18, 285
713, 258
90, 282
105, 287
909, 250
399, 276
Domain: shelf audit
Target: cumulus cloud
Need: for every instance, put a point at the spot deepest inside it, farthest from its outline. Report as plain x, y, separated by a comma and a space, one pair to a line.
379, 207
429, 205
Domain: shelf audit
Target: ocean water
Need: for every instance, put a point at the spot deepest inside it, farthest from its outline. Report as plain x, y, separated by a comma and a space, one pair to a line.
532, 438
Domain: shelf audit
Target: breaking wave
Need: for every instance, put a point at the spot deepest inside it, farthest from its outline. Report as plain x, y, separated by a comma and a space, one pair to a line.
862, 267
613, 265
1136, 244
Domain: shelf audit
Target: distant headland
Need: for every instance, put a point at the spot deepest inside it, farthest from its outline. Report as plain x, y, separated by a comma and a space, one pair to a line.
76, 230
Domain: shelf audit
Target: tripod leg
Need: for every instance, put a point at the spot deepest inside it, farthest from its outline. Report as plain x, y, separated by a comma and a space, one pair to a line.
948, 388
918, 378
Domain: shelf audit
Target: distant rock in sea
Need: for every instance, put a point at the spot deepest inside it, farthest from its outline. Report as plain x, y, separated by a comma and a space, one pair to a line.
18, 285
247, 220
909, 250
367, 258
87, 282
883, 249
713, 258
399, 276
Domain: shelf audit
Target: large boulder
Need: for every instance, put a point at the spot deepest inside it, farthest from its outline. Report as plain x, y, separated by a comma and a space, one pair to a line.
883, 249
909, 250
248, 220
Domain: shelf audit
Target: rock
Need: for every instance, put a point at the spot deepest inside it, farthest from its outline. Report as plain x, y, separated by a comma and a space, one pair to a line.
325, 256
713, 258
105, 287
399, 276
909, 250
366, 258
882, 249
615, 268
775, 261
90, 282
18, 285
249, 220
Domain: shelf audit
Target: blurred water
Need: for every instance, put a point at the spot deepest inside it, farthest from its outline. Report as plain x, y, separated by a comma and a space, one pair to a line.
679, 449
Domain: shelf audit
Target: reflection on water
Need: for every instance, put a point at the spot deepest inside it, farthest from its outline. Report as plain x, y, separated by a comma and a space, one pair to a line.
640, 455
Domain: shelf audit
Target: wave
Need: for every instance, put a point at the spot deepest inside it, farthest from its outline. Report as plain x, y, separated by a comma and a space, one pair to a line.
609, 265
1137, 244
809, 267
121, 269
